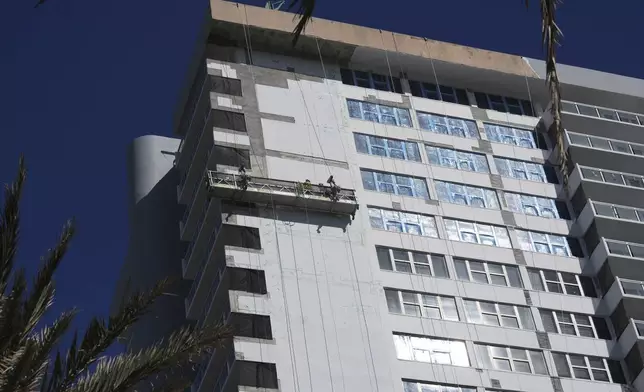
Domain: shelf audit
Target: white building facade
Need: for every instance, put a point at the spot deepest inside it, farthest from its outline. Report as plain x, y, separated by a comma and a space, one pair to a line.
452, 257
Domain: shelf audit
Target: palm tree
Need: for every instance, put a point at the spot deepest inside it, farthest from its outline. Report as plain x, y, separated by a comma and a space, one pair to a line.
550, 35
26, 346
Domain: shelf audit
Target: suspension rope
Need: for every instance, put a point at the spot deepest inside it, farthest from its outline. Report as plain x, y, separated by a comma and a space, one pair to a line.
353, 262
296, 383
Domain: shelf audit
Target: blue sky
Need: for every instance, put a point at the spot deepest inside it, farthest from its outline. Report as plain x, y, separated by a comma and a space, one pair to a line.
79, 79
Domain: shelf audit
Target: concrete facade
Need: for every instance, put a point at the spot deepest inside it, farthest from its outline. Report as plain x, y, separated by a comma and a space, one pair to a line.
302, 278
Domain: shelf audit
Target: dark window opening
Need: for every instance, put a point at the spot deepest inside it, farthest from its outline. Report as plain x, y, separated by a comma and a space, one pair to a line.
231, 156
224, 85
257, 374
228, 120
251, 325
251, 281
242, 236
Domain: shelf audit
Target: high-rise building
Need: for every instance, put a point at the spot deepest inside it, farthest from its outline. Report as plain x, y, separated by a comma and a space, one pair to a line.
372, 211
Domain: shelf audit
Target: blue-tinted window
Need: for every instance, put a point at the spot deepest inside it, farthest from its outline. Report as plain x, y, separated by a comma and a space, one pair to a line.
460, 160
394, 183
392, 148
448, 125
379, 113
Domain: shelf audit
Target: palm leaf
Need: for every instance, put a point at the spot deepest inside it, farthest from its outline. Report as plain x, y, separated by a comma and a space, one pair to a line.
304, 12
123, 372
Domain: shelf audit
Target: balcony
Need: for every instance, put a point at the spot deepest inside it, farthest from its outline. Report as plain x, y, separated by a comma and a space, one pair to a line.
289, 193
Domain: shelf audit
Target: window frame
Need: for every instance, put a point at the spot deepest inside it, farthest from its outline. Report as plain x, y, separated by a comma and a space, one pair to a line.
426, 91
639, 212
404, 224
633, 282
448, 124
562, 284
629, 246
575, 324
520, 104
418, 386
487, 273
509, 358
477, 233
511, 172
412, 262
537, 204
387, 148
394, 185
639, 118
390, 85
549, 243
589, 369
420, 303
441, 153
498, 314
466, 196
510, 136
603, 175
379, 113
412, 349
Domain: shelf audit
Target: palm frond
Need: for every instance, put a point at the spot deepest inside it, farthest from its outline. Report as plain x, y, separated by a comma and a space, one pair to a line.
100, 335
42, 293
123, 372
9, 225
304, 12
551, 36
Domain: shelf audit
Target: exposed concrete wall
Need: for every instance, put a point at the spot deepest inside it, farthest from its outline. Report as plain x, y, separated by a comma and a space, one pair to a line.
359, 36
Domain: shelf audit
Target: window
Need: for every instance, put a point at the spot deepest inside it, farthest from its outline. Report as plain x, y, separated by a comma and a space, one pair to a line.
619, 212
448, 125
576, 324
639, 327
608, 114
520, 170
394, 183
611, 177
431, 350
625, 249
623, 147
477, 233
511, 359
402, 222
466, 195
488, 273
439, 93
379, 113
531, 205
421, 304
512, 136
228, 120
370, 80
587, 368
632, 287
561, 282
401, 260
384, 147
504, 104
224, 85
490, 313
454, 159
413, 386
532, 241
242, 236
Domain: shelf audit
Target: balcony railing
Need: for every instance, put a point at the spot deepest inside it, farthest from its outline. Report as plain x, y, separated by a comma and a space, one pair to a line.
266, 190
